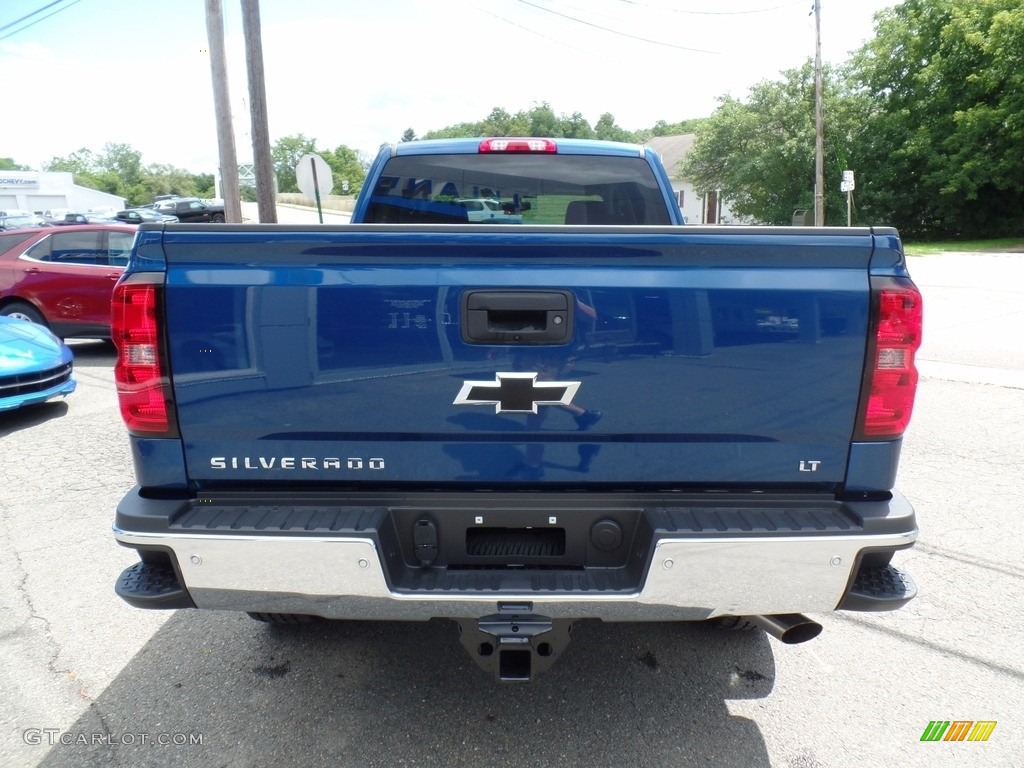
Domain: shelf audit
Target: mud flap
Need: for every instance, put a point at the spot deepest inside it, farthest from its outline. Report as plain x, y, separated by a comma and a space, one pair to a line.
515, 645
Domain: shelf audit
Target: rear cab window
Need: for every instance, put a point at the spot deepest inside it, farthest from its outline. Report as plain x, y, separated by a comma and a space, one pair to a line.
517, 188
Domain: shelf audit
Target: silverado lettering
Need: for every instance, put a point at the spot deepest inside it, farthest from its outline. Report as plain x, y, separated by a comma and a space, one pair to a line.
589, 411
291, 462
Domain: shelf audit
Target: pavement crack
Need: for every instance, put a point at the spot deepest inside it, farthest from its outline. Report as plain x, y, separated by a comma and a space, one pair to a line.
34, 614
94, 707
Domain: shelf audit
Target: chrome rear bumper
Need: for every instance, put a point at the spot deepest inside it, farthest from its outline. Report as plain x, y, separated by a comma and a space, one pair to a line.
683, 577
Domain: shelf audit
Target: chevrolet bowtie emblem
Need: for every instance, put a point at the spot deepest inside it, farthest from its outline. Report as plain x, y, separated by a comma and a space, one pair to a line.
516, 393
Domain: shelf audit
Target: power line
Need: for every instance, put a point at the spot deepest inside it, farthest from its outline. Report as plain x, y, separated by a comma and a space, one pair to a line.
534, 32
617, 32
38, 10
30, 15
714, 13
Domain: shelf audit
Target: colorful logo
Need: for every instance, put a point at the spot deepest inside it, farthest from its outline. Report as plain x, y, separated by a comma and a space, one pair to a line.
958, 730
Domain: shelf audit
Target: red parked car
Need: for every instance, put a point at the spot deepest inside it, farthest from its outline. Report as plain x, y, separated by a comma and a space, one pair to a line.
63, 277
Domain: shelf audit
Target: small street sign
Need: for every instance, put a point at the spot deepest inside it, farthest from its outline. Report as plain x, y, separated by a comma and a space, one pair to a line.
313, 176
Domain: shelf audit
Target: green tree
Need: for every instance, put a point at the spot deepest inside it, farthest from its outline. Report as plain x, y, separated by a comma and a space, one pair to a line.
662, 128
89, 169
119, 170
576, 127
541, 120
123, 161
79, 163
501, 123
944, 106
346, 165
167, 180
285, 155
759, 153
544, 121
606, 129
8, 164
204, 184
461, 130
408, 135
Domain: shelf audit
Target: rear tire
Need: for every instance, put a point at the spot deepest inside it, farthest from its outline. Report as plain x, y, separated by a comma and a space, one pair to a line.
281, 619
23, 311
217, 218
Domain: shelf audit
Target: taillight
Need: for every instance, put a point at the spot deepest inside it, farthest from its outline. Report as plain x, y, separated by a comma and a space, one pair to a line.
143, 389
518, 145
887, 399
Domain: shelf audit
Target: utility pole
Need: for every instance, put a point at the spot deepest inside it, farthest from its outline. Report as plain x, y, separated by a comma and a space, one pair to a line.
819, 142
222, 109
265, 197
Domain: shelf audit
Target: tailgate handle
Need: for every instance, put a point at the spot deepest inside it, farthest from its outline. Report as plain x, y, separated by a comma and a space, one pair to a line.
517, 317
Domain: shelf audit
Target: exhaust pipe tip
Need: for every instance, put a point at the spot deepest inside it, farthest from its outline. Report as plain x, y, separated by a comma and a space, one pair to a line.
789, 628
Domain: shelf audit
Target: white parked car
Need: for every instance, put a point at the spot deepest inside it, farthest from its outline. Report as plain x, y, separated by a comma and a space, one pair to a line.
488, 211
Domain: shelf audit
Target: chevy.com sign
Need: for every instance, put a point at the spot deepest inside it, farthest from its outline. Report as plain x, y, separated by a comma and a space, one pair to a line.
19, 181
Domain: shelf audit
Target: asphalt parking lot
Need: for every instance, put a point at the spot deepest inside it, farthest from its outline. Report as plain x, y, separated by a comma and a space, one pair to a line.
87, 680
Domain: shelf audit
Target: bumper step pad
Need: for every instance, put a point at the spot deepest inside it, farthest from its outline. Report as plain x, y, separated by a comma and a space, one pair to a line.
879, 589
152, 585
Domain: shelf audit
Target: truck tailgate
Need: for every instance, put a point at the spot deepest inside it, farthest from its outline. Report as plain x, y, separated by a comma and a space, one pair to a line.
685, 357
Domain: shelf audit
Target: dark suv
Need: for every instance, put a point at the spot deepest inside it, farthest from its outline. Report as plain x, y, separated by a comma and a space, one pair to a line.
190, 209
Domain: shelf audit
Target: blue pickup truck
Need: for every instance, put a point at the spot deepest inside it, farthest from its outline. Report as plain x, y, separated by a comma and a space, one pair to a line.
596, 413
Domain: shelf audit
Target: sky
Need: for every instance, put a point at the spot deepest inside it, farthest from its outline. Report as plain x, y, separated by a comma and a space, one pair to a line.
82, 73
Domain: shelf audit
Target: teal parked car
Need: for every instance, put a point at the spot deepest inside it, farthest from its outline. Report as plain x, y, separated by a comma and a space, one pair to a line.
35, 365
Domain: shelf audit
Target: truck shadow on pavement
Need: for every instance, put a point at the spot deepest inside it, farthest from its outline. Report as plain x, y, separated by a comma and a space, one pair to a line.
402, 694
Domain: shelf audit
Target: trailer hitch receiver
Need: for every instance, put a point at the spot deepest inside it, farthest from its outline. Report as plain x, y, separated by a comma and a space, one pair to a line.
515, 644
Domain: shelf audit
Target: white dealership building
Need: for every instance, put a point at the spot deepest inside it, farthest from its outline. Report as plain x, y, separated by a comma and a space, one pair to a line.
41, 191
